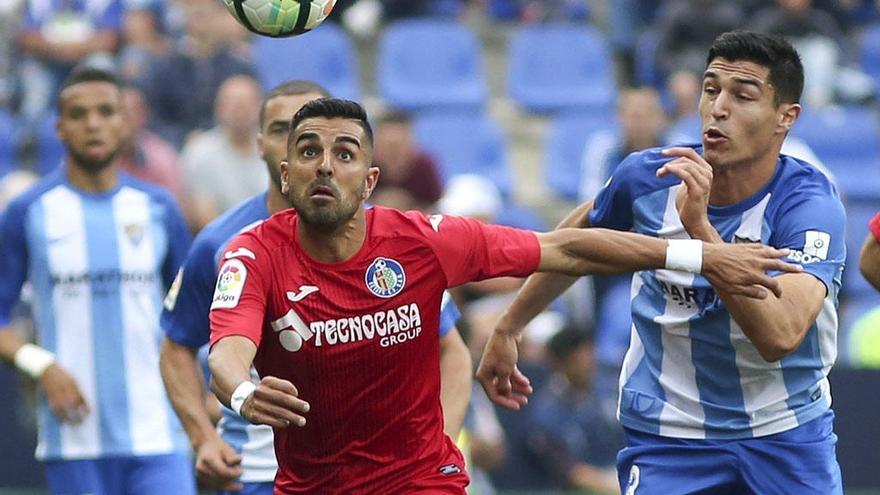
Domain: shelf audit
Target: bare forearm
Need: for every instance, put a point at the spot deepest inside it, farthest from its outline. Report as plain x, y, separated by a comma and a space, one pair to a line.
775, 325
186, 390
10, 343
601, 252
230, 362
455, 382
539, 290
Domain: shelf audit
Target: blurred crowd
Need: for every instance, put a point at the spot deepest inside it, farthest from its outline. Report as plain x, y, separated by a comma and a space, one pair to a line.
193, 92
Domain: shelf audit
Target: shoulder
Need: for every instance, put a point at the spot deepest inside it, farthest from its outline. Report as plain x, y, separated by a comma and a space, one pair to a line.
23, 201
393, 223
156, 193
800, 182
267, 236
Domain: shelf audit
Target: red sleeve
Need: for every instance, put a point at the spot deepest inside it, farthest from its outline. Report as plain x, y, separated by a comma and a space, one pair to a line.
238, 306
874, 225
470, 250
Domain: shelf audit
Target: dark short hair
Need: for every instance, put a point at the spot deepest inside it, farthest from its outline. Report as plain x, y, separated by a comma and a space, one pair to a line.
86, 74
771, 51
331, 108
566, 340
291, 88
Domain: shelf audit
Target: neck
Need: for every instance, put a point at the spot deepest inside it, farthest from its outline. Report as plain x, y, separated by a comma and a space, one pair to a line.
734, 183
333, 246
275, 201
93, 182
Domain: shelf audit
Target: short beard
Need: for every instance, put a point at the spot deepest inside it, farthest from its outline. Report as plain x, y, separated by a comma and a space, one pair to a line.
94, 166
323, 218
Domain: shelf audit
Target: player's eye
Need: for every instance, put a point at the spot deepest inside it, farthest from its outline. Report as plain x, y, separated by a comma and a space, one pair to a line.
709, 90
309, 153
345, 155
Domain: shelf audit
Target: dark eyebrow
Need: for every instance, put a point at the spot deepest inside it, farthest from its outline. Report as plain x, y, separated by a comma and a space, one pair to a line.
347, 139
710, 75
748, 81
306, 135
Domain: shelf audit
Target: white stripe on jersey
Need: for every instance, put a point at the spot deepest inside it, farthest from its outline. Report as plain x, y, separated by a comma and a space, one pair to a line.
678, 376
636, 351
147, 414
826, 324
67, 253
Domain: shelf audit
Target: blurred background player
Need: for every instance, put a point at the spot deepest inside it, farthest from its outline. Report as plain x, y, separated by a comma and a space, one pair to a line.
737, 391
239, 455
99, 249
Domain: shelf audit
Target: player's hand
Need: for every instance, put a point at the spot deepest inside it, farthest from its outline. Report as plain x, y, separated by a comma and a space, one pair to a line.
64, 396
218, 465
503, 382
739, 269
693, 196
276, 403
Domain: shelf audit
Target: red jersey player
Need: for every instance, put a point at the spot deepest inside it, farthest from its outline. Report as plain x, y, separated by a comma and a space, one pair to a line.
338, 306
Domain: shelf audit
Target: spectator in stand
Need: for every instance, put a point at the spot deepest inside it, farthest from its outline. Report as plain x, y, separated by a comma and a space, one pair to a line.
144, 41
182, 87
410, 180
145, 155
687, 29
56, 36
222, 166
575, 434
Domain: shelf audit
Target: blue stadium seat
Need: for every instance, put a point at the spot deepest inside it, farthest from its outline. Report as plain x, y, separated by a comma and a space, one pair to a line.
846, 139
8, 131
564, 149
560, 66
466, 144
869, 48
431, 64
326, 56
521, 217
645, 68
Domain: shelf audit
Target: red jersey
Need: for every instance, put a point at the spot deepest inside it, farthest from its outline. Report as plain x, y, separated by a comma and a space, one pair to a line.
359, 340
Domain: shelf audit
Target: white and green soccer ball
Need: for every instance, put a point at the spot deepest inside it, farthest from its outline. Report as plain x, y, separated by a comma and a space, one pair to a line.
280, 18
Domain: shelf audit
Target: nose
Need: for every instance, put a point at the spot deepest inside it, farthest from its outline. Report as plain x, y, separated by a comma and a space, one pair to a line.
325, 168
720, 109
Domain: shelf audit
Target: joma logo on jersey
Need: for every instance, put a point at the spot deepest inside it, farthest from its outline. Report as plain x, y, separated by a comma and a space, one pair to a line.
688, 296
385, 277
390, 327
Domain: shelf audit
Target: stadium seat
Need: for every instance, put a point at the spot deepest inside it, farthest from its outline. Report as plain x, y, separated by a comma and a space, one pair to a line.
7, 142
846, 139
560, 66
431, 64
646, 71
521, 217
466, 144
564, 148
326, 56
869, 48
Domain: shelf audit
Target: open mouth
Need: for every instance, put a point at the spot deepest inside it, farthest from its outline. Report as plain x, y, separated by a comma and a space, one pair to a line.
322, 192
714, 136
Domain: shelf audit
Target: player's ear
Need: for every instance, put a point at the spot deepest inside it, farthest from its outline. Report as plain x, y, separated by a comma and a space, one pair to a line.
370, 181
285, 177
787, 115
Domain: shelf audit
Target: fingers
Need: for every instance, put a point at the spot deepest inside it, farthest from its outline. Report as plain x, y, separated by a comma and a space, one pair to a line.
275, 403
521, 383
217, 466
684, 152
782, 266
506, 389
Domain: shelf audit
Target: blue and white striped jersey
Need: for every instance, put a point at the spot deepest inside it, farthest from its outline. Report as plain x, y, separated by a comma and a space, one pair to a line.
185, 321
690, 372
98, 264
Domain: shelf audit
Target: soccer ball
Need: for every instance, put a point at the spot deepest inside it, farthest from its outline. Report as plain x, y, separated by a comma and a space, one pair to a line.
280, 18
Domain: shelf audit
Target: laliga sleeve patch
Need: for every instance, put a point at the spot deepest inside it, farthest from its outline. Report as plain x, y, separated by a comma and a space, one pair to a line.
816, 244
230, 283
171, 296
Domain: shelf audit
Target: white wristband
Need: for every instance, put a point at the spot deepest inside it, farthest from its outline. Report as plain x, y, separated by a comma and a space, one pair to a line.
684, 255
240, 394
33, 360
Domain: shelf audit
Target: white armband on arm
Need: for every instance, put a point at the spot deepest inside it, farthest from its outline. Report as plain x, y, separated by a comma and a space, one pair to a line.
685, 255
33, 360
241, 394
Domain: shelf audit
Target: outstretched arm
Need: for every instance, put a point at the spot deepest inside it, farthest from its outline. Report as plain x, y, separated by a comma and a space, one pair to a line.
272, 402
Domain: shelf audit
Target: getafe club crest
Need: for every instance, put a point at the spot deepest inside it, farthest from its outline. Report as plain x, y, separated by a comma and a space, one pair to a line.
385, 277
